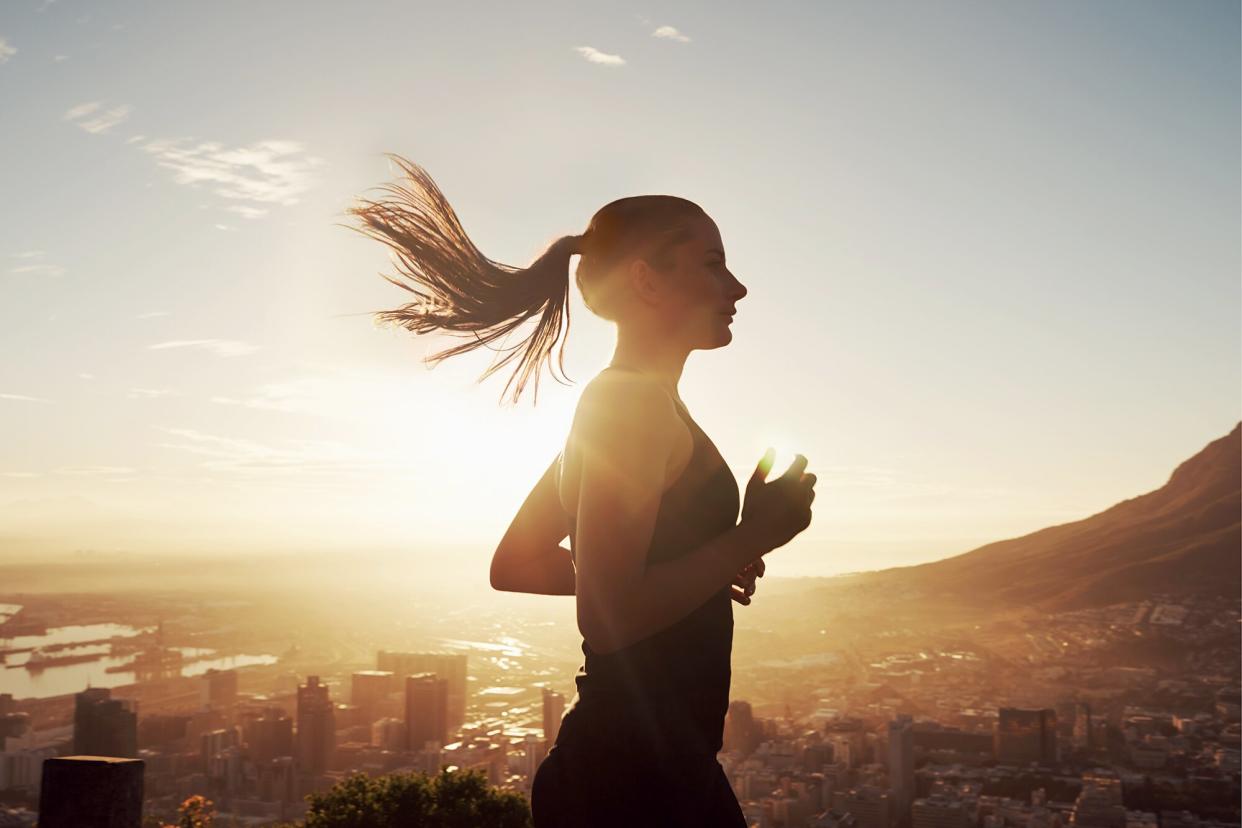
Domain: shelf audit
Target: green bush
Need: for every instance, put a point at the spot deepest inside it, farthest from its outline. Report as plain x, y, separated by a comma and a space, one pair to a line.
452, 799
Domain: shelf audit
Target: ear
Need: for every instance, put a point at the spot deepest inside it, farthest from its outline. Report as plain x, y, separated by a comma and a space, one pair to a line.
646, 281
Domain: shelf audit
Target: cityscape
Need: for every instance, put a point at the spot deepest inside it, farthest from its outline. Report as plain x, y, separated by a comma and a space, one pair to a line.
848, 708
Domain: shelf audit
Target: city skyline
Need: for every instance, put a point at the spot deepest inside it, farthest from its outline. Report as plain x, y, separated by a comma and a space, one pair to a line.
1004, 311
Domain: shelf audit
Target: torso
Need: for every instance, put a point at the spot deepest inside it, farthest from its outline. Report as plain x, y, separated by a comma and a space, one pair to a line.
668, 693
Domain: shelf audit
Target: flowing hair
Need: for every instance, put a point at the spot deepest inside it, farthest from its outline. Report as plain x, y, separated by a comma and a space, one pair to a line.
458, 289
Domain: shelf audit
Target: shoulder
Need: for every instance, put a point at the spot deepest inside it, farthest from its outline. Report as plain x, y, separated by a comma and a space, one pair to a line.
624, 405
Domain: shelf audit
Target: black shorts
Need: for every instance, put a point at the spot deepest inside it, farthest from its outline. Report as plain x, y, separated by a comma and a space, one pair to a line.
603, 790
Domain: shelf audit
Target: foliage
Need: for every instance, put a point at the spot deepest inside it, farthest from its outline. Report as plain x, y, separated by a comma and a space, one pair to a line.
196, 812
452, 799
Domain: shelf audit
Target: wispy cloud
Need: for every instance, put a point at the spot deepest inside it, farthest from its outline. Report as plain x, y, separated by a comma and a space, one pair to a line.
102, 122
134, 139
241, 456
18, 474
148, 393
6, 51
669, 33
49, 269
596, 56
87, 376
151, 314
272, 172
95, 470
247, 212
219, 347
23, 398
60, 58
37, 267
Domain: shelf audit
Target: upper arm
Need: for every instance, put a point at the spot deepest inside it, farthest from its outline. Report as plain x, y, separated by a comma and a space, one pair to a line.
624, 430
540, 522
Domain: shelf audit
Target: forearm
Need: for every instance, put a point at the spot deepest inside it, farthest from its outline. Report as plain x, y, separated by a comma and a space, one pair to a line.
670, 590
547, 571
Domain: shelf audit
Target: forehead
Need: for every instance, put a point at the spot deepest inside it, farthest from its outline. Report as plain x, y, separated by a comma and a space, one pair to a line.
705, 235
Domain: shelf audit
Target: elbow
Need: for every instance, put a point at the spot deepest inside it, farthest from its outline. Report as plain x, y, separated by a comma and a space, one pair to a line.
498, 577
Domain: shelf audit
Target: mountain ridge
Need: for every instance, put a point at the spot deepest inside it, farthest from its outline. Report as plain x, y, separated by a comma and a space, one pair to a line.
1182, 538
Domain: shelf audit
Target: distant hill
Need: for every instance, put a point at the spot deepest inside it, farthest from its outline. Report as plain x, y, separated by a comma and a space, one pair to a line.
1185, 538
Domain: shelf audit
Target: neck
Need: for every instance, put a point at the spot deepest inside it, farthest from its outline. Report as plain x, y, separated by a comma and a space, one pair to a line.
651, 354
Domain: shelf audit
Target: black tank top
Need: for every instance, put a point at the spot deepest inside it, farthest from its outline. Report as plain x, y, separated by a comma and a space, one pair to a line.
669, 692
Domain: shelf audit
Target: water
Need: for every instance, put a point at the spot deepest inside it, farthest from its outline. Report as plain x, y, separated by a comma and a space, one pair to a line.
58, 680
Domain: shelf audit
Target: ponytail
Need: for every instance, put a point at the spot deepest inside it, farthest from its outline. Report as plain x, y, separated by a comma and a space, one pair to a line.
458, 289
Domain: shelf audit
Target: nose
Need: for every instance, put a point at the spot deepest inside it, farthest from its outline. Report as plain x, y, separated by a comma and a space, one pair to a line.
739, 290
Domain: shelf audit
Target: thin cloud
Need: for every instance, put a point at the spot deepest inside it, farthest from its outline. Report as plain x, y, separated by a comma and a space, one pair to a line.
60, 58
134, 139
101, 123
95, 470
19, 474
247, 212
219, 347
247, 457
596, 56
669, 33
23, 398
28, 254
49, 269
6, 51
148, 393
272, 172
87, 376
151, 314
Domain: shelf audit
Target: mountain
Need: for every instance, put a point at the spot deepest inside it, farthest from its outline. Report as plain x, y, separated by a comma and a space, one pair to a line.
1184, 538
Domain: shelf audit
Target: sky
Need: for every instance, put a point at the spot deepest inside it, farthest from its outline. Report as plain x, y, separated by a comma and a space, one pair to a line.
992, 254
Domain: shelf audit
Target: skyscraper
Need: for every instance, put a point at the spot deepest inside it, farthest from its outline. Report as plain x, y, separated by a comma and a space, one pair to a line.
367, 689
316, 736
426, 710
449, 666
218, 688
741, 734
553, 711
901, 765
268, 736
104, 726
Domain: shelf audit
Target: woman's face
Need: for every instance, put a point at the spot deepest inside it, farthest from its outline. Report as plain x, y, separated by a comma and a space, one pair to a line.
701, 294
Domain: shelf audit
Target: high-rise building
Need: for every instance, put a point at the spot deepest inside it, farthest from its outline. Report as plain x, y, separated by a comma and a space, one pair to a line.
316, 736
218, 688
553, 712
1099, 803
269, 736
741, 733
449, 666
871, 807
389, 734
901, 765
939, 812
367, 689
426, 710
1025, 736
1083, 736
104, 726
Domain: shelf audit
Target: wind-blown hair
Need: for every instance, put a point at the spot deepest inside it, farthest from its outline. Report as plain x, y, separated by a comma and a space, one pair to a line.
459, 290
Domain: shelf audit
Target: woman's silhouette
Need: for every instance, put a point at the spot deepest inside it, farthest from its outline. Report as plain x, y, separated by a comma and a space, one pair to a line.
657, 553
